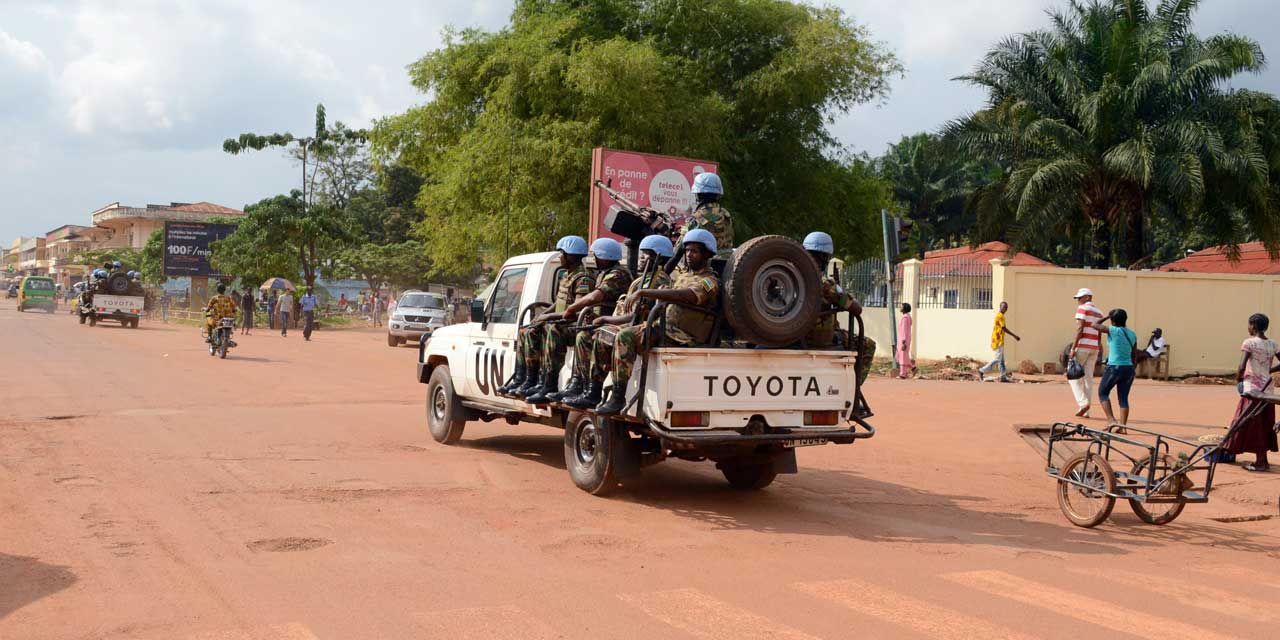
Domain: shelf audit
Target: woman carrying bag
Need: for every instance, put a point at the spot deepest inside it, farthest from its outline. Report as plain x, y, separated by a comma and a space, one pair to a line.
1122, 348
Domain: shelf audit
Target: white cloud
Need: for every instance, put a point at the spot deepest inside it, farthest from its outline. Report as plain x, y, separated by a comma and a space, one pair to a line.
25, 55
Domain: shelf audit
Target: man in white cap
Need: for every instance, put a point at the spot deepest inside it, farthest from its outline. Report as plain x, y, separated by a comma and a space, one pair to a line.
1085, 348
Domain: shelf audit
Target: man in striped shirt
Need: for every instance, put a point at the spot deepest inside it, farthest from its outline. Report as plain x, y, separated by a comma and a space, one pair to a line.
1085, 348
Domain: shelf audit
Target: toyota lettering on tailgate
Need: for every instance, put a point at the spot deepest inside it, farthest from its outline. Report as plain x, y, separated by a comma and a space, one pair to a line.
754, 386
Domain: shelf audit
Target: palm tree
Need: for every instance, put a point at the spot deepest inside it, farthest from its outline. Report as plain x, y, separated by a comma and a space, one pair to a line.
932, 181
1116, 115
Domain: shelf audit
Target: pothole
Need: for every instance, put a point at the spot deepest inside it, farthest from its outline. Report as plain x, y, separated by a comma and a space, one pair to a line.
282, 545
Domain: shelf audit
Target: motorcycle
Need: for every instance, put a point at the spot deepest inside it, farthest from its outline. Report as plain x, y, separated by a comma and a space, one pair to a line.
221, 340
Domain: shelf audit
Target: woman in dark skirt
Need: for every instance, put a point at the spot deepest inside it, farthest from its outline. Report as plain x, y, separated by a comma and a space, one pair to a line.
1257, 435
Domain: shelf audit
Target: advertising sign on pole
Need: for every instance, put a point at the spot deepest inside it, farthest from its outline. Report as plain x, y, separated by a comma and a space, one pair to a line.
186, 248
662, 183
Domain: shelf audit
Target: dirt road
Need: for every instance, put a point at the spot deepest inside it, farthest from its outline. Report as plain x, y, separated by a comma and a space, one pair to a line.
292, 492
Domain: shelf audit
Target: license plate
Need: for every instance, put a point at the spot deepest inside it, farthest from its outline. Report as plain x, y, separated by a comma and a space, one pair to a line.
804, 442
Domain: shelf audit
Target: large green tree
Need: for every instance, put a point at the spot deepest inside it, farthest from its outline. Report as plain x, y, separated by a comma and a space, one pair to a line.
506, 135
401, 265
278, 237
1117, 116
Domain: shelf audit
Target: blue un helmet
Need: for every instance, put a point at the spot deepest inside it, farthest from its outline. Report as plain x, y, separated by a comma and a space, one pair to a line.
99, 273
572, 245
658, 244
707, 183
702, 237
131, 274
819, 241
116, 264
607, 249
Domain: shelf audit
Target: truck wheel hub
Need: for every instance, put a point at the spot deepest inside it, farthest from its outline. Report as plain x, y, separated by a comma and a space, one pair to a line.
587, 443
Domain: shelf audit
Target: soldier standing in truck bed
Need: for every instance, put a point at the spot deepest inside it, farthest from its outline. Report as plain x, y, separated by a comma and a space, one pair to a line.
709, 214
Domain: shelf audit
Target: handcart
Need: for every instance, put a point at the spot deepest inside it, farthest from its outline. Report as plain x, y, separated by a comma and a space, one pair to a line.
1152, 471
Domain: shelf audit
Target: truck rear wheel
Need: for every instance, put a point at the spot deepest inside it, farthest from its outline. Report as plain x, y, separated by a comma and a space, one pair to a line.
446, 417
590, 452
748, 476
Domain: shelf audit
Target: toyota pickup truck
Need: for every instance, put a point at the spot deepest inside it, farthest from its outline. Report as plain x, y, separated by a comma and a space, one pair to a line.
123, 309
746, 409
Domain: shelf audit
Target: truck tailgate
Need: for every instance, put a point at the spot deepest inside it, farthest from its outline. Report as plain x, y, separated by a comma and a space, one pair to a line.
749, 381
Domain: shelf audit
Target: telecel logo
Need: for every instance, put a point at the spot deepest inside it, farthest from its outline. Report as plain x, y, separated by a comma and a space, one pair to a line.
775, 386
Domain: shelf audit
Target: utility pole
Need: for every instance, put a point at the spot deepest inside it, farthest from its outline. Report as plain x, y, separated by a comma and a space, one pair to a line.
888, 278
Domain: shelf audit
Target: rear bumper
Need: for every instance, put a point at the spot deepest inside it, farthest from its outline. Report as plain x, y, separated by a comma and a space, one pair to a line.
861, 430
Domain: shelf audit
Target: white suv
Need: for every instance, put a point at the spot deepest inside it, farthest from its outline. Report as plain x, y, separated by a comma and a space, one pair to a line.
418, 313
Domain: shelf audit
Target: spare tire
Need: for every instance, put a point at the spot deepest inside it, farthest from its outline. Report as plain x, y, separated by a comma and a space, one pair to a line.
772, 291
118, 284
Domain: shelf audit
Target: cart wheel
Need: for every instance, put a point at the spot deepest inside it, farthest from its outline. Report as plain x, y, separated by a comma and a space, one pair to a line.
1087, 506
1176, 486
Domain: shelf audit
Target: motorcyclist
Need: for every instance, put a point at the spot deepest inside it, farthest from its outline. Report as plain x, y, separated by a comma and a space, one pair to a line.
219, 307
593, 352
692, 296
612, 280
834, 298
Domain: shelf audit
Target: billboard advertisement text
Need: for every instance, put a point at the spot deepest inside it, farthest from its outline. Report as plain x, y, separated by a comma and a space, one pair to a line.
186, 248
662, 183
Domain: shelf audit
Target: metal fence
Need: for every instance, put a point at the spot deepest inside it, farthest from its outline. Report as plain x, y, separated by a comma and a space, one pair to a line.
866, 281
954, 283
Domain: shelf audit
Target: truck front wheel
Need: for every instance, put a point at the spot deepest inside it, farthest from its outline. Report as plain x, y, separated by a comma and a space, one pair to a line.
591, 449
748, 476
446, 417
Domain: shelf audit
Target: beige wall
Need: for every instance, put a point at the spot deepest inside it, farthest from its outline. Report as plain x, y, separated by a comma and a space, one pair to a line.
940, 333
1203, 315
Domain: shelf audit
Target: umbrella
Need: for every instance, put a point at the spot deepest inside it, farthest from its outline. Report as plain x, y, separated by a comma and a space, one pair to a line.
278, 283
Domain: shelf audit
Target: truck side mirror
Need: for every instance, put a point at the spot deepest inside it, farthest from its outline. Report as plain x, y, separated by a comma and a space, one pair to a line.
477, 311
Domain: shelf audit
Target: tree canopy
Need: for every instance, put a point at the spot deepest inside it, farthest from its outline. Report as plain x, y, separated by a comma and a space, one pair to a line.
278, 238
1118, 120
932, 181
505, 138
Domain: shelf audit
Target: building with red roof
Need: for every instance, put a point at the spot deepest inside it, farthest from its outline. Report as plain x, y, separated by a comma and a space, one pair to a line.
1254, 259
960, 278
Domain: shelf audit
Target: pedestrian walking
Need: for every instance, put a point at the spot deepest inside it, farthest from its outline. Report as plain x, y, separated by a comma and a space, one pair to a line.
1258, 435
378, 307
342, 303
1084, 348
285, 305
1122, 349
998, 332
308, 303
247, 305
904, 358
271, 309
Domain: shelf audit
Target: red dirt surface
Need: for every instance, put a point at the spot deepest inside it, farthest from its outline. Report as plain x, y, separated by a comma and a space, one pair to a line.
292, 492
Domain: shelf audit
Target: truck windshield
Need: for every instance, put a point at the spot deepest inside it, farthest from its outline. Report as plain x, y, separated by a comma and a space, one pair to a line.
421, 301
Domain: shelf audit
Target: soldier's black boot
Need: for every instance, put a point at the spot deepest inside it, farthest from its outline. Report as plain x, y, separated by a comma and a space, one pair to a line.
570, 390
532, 384
617, 399
516, 381
587, 399
550, 380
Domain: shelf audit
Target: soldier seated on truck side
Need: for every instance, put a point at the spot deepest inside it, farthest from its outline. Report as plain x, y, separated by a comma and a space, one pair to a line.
826, 332
692, 297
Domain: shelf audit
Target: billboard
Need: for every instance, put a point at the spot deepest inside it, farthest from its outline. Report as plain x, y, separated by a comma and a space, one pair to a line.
186, 248
662, 183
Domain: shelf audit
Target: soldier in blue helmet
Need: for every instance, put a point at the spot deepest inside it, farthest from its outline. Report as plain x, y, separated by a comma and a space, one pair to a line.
826, 332
709, 214
593, 352
530, 342
696, 289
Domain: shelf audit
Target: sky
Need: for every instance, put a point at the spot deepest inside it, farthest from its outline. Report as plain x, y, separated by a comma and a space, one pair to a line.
129, 101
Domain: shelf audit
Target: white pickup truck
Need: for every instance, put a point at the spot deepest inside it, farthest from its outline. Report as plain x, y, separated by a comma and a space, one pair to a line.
746, 409
123, 309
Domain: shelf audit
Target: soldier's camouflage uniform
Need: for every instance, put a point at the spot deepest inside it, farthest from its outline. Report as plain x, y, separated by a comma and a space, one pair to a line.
530, 342
593, 352
613, 283
824, 332
716, 219
685, 327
